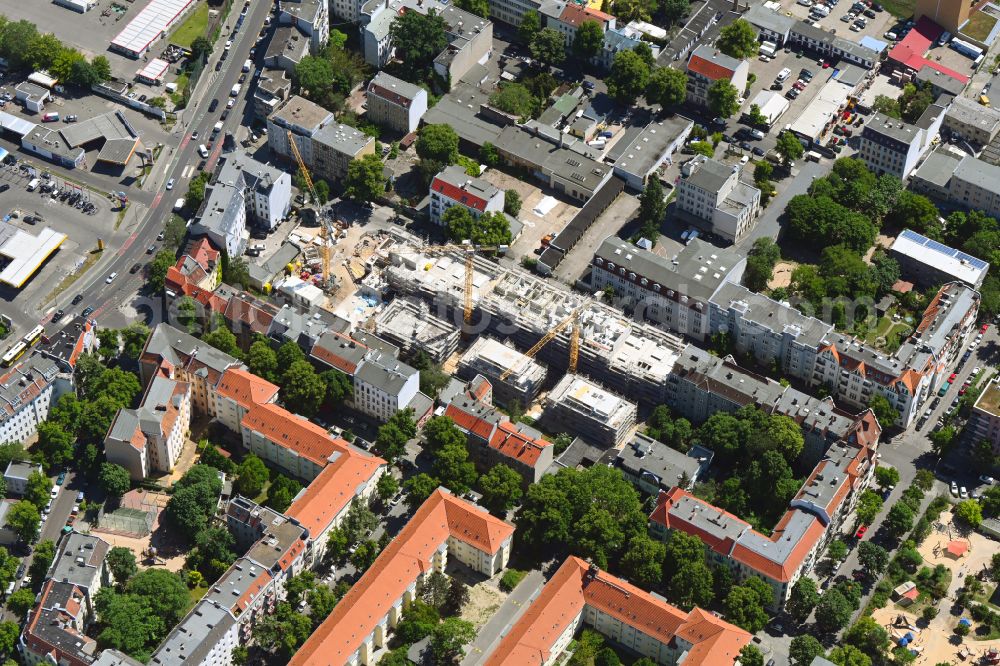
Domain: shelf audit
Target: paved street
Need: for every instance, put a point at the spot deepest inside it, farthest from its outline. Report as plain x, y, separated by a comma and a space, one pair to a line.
504, 618
798, 183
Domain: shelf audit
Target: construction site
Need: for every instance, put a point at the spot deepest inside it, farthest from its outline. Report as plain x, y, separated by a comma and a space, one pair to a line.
565, 330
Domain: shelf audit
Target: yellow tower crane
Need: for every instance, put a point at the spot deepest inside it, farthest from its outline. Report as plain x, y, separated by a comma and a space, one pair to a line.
326, 230
574, 338
469, 251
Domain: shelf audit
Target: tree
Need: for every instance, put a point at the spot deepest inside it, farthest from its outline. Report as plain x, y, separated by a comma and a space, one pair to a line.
738, 40
745, 606
629, 77
634, 10
608, 657
114, 479
869, 506
899, 520
321, 602
201, 48
365, 181
803, 649
789, 147
262, 360
288, 353
652, 208
438, 143
803, 599
515, 99
448, 640
884, 411
386, 487
45, 552
873, 557
761, 259
943, 440
165, 592
195, 497
589, 39
531, 23
692, 584
751, 655
121, 563
501, 488
723, 98
755, 117
488, 229
364, 556
196, 191
419, 488
55, 443
914, 211
22, 601
674, 10
848, 655
24, 518
303, 388
251, 477
281, 493
453, 468
886, 477
418, 622
157, 271
37, 489
419, 38
548, 47
868, 636
642, 562
435, 590
833, 611
212, 457
511, 202
667, 86
134, 339
969, 512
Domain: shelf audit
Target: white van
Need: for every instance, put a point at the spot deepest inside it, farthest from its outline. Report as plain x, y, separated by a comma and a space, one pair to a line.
768, 49
202, 150
217, 127
783, 75
247, 65
813, 156
33, 185
236, 90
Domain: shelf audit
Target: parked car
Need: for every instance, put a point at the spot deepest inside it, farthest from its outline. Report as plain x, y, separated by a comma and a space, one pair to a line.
135, 268
861, 532
61, 478
963, 493
988, 480
213, 106
954, 489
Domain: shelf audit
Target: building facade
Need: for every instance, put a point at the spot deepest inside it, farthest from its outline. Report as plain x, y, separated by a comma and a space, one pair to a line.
395, 104
454, 187
714, 198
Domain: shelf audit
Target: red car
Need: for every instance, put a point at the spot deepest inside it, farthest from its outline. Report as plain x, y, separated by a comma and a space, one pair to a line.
861, 532
985, 328
953, 376
962, 390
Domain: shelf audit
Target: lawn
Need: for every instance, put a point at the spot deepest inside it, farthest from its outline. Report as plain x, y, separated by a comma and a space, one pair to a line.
900, 8
979, 26
194, 26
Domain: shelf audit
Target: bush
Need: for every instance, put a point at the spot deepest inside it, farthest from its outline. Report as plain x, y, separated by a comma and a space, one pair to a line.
511, 578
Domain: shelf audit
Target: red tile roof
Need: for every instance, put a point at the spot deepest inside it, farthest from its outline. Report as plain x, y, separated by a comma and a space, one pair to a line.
517, 445
576, 585
575, 14
396, 569
246, 388
712, 71
458, 194
293, 432
910, 51
482, 428
333, 490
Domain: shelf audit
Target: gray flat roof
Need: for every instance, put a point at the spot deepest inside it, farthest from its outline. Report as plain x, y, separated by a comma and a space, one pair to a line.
711, 175
342, 138
641, 154
892, 128
299, 112
937, 167
645, 455
460, 109
108, 126
770, 314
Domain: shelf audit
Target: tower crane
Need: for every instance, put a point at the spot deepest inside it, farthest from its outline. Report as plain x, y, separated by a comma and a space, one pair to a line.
327, 232
469, 250
574, 338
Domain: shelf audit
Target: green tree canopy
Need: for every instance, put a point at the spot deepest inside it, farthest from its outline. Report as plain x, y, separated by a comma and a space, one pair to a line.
114, 479
501, 488
251, 476
365, 181
589, 39
419, 38
548, 46
629, 77
121, 562
738, 40
723, 98
303, 388
667, 86
438, 143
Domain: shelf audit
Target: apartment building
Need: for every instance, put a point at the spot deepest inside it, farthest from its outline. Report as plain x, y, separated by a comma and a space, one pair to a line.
889, 145
238, 392
287, 47
395, 104
410, 325
566, 18
579, 594
27, 391
198, 266
16, 476
310, 17
454, 187
150, 438
828, 44
492, 359
714, 198
973, 185
674, 293
470, 37
971, 121
298, 447
326, 146
985, 419
493, 439
928, 262
54, 631
580, 407
192, 361
652, 466
443, 527
772, 25
64, 346
708, 65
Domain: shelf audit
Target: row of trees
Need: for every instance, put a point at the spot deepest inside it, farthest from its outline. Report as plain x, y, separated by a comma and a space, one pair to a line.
135, 616
25, 48
329, 76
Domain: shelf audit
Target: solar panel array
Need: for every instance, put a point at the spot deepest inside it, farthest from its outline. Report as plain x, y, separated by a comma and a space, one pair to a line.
941, 248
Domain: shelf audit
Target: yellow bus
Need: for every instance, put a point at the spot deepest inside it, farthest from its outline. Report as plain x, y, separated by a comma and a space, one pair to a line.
14, 353
33, 336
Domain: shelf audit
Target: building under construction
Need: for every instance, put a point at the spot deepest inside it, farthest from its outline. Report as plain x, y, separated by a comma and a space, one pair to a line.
626, 356
409, 324
492, 359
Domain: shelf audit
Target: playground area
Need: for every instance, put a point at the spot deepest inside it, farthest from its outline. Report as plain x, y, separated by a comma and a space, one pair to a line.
963, 552
135, 524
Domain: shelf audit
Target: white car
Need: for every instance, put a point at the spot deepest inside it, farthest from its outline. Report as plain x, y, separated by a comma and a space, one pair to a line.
111, 278
744, 159
229, 44
963, 493
976, 370
231, 103
54, 493
954, 489
988, 480
170, 184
